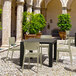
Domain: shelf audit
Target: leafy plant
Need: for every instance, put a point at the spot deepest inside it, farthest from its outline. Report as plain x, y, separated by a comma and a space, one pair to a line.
64, 22
33, 23
0, 18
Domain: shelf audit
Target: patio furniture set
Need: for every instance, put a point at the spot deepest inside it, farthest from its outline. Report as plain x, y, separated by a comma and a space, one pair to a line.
36, 45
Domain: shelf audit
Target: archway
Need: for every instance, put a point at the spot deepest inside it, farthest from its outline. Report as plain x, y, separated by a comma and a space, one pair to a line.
53, 9
72, 12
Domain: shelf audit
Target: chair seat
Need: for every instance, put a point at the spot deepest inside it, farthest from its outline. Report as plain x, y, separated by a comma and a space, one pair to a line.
44, 45
63, 50
32, 54
16, 47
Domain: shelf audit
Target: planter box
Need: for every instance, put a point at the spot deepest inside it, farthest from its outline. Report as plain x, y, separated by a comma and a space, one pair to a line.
33, 35
30, 36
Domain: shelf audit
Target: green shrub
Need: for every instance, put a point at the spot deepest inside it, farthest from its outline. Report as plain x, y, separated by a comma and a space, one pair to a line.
64, 22
33, 23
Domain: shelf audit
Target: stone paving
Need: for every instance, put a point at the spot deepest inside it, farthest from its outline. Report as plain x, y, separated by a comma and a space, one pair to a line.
63, 67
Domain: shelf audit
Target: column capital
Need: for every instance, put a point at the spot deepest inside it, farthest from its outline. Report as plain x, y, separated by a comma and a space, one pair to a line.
64, 8
21, 3
28, 5
37, 8
29, 2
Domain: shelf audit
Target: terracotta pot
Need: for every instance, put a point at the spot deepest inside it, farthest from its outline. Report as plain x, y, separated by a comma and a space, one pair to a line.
62, 35
30, 36
38, 35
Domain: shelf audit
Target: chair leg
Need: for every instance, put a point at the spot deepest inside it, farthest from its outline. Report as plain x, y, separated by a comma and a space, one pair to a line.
70, 57
40, 55
23, 63
37, 62
48, 51
56, 56
41, 59
7, 53
12, 54
29, 63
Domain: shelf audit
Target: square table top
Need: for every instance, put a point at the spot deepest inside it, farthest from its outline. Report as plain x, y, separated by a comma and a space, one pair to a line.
41, 40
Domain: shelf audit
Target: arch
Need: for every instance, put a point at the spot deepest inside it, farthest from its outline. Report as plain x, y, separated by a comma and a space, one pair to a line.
1, 3
53, 9
72, 12
43, 9
48, 1
69, 3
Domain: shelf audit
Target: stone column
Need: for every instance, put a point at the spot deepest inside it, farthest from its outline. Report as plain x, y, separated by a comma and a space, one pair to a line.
64, 10
29, 5
37, 6
64, 6
20, 6
37, 10
6, 22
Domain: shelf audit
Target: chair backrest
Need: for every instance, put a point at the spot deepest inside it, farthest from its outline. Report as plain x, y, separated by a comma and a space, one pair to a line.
11, 40
67, 34
46, 36
31, 45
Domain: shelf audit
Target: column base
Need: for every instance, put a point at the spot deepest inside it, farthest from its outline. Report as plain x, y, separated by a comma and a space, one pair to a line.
4, 46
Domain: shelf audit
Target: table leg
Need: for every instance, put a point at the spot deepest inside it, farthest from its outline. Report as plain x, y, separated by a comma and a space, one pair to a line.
50, 54
21, 53
55, 50
75, 39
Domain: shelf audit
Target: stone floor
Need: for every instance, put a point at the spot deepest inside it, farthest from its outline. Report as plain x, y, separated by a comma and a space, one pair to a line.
63, 67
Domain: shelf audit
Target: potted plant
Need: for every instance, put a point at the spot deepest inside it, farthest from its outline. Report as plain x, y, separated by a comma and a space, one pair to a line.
33, 23
64, 23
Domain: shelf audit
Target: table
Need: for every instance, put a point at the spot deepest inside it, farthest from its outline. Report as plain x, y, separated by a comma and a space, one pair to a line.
42, 41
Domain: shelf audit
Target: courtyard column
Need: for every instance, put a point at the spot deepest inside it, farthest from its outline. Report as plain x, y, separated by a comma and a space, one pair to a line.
37, 7
64, 6
29, 5
37, 10
6, 22
64, 10
20, 6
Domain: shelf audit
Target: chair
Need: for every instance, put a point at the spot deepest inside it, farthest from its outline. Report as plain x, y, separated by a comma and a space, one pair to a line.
45, 45
68, 36
65, 48
12, 46
35, 54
